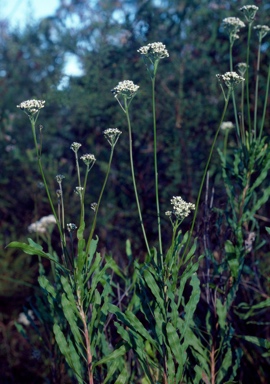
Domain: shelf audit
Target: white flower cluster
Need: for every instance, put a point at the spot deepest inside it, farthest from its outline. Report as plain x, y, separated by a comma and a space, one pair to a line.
181, 208
154, 51
125, 88
112, 135
42, 225
75, 146
262, 30
88, 159
78, 190
226, 125
242, 67
230, 79
249, 12
232, 26
71, 227
59, 178
94, 206
24, 319
31, 107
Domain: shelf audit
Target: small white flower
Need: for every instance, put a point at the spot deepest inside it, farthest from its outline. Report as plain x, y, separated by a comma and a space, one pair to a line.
242, 67
125, 88
75, 146
88, 159
181, 208
154, 51
262, 30
226, 125
112, 135
31, 107
47, 220
232, 26
230, 79
23, 319
168, 213
249, 12
78, 190
94, 206
42, 225
59, 178
71, 227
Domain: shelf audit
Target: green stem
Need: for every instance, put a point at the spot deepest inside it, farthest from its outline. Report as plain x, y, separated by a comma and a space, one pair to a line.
233, 97
242, 131
133, 176
256, 89
33, 125
156, 170
265, 103
98, 203
205, 172
247, 82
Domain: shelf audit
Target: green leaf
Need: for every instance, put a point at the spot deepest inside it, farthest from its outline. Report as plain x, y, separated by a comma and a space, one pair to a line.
268, 229
123, 377
225, 366
65, 348
151, 282
232, 258
76, 362
200, 374
174, 344
31, 250
132, 322
258, 341
222, 314
192, 303
112, 356
71, 317
67, 288
46, 285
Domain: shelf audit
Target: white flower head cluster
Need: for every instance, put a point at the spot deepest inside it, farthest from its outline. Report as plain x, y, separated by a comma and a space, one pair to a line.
42, 225
31, 107
232, 26
226, 125
181, 208
59, 178
230, 79
78, 190
249, 12
75, 147
24, 319
242, 67
262, 30
88, 159
71, 227
112, 135
94, 206
154, 51
125, 88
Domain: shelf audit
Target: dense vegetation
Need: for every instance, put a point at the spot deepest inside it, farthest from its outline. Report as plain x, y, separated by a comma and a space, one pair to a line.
105, 36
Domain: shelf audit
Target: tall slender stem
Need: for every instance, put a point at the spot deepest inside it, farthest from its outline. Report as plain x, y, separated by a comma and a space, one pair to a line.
233, 97
133, 176
98, 203
247, 82
156, 169
265, 102
205, 172
33, 125
256, 89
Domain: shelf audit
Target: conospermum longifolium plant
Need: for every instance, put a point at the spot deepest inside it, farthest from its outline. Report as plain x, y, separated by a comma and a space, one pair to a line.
163, 345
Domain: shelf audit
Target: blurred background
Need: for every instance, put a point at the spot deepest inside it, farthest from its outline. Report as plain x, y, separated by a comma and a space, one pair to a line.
71, 53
